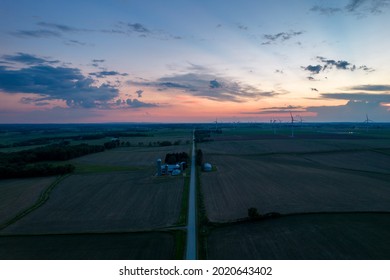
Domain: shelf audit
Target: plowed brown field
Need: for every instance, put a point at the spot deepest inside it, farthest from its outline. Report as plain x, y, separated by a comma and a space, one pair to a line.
18, 194
331, 178
318, 236
106, 202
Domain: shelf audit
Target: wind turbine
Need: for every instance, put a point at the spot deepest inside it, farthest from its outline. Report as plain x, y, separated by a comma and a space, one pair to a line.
216, 124
272, 122
292, 125
367, 120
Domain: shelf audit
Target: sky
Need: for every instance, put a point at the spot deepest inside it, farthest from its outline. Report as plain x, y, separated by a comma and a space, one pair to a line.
194, 61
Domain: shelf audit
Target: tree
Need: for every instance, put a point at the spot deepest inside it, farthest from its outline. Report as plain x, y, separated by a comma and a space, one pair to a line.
253, 213
199, 157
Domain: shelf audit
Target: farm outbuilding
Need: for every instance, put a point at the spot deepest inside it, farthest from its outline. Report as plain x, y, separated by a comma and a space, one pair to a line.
207, 167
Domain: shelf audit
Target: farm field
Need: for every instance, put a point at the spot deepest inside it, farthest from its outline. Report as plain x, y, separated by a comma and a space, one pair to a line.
295, 176
116, 246
17, 195
308, 237
287, 185
106, 202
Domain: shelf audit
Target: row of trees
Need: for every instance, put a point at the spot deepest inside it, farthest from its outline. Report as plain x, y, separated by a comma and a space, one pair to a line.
29, 163
173, 158
50, 140
199, 157
34, 170
56, 152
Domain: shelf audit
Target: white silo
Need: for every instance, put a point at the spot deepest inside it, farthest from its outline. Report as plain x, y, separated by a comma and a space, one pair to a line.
159, 167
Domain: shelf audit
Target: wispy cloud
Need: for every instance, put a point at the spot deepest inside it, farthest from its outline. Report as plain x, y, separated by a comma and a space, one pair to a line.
325, 10
142, 31
370, 87
209, 86
355, 7
280, 37
61, 27
277, 110
28, 59
360, 96
103, 74
41, 33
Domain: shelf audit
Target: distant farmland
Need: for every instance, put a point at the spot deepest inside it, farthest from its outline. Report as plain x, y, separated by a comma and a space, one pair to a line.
318, 237
333, 195
106, 202
285, 182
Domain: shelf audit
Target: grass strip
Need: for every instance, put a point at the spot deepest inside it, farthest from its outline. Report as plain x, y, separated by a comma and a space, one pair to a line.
40, 201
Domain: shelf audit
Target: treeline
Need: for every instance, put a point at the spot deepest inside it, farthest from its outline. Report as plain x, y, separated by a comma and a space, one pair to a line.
29, 163
50, 140
173, 158
34, 170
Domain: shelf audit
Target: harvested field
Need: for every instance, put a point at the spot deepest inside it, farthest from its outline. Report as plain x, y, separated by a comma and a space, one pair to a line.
318, 236
17, 195
363, 161
106, 202
287, 184
288, 145
128, 246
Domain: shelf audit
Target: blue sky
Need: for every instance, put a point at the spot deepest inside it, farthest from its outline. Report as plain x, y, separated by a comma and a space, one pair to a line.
194, 61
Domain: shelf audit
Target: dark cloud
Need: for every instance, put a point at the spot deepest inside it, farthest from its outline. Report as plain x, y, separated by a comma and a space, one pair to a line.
139, 93
340, 64
103, 74
329, 64
57, 83
135, 103
215, 84
42, 33
137, 27
371, 87
314, 69
280, 37
28, 59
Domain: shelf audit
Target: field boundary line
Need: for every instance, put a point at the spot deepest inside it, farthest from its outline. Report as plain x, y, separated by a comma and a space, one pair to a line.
44, 196
247, 220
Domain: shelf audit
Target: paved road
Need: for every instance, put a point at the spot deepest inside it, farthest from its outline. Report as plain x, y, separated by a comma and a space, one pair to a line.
191, 221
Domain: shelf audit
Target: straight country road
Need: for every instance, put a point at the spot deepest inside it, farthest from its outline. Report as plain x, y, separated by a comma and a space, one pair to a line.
191, 253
